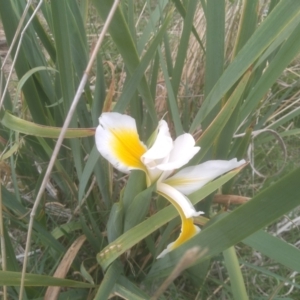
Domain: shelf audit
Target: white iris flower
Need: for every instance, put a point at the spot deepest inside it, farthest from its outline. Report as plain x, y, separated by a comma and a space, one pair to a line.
118, 141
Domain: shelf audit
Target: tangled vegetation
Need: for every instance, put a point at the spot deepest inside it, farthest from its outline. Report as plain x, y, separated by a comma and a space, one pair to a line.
226, 72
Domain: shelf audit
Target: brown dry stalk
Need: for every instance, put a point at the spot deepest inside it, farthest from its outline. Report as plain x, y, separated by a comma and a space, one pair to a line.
189, 257
64, 266
230, 199
111, 91
2, 241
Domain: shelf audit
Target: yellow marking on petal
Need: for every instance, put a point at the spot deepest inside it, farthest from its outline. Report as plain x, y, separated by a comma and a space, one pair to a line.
127, 147
181, 181
188, 229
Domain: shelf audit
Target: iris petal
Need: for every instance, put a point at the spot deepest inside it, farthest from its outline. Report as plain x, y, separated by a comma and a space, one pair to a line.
186, 211
161, 148
191, 179
118, 141
181, 202
183, 150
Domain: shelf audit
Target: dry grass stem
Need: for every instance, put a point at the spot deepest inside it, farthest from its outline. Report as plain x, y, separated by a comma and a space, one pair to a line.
2, 241
230, 199
84, 197
287, 105
52, 292
189, 257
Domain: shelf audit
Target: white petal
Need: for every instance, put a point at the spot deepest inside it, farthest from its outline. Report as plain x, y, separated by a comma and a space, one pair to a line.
166, 251
181, 202
113, 120
161, 148
183, 150
191, 179
117, 140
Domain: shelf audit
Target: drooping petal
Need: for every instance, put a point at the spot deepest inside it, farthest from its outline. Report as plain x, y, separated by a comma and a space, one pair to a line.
191, 179
181, 202
118, 141
183, 150
186, 211
188, 230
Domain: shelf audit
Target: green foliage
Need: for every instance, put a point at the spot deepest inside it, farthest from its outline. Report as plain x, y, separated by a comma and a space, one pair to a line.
145, 68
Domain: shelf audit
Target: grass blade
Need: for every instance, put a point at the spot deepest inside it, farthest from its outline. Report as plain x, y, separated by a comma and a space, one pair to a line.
14, 279
110, 278
205, 141
275, 248
14, 123
285, 13
124, 41
287, 52
183, 45
236, 278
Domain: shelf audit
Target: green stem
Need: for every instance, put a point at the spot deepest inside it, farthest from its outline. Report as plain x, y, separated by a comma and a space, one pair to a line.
236, 278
